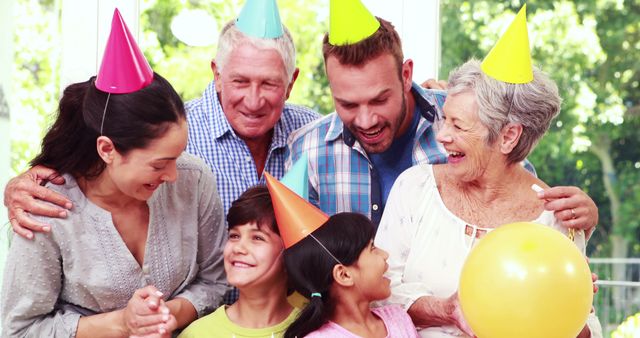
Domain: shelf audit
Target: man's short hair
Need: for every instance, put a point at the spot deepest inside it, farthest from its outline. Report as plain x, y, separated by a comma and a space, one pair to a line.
384, 40
231, 37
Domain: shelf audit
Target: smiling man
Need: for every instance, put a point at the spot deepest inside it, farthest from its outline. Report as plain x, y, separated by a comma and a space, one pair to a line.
239, 126
383, 124
241, 123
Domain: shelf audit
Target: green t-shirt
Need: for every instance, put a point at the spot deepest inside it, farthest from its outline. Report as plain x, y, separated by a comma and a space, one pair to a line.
218, 325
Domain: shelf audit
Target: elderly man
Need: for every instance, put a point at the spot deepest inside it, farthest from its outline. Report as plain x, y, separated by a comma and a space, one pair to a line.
382, 124
239, 126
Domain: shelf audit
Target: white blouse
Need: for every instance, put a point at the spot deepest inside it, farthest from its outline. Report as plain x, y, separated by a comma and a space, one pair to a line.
427, 244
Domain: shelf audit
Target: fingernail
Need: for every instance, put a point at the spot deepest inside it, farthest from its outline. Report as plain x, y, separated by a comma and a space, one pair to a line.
68, 205
165, 318
162, 330
152, 303
46, 228
158, 293
63, 214
29, 235
165, 310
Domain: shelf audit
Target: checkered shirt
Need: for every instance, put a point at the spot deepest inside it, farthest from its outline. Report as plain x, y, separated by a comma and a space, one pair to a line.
340, 172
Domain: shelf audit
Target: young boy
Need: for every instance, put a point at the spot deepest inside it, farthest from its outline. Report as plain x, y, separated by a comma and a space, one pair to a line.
254, 264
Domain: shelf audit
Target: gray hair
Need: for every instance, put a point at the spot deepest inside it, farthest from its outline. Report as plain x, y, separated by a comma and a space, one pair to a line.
231, 37
532, 105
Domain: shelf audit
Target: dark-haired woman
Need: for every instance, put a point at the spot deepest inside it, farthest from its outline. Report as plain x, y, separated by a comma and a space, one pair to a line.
140, 253
342, 272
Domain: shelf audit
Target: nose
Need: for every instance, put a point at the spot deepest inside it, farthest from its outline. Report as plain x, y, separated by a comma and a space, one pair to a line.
366, 118
239, 247
171, 174
254, 99
443, 134
385, 254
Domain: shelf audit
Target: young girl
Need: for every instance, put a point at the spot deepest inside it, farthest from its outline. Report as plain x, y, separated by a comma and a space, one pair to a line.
342, 272
253, 263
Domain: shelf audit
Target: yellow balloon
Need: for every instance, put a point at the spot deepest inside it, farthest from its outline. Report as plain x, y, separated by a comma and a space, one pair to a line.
525, 280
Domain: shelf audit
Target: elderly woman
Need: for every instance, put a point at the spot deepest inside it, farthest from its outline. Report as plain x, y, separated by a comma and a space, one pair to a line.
435, 214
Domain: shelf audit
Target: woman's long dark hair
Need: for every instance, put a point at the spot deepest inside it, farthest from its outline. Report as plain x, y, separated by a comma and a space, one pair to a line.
131, 121
310, 267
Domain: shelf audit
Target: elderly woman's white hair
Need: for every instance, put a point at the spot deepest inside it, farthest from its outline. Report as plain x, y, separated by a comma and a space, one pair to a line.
533, 104
231, 37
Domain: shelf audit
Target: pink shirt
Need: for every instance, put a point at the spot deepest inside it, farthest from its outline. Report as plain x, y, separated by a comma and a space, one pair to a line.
396, 320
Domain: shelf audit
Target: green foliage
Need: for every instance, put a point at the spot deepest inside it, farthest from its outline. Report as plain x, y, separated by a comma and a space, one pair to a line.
629, 328
35, 77
188, 68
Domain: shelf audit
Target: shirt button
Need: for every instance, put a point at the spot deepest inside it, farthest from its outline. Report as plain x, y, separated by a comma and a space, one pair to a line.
374, 207
145, 269
248, 159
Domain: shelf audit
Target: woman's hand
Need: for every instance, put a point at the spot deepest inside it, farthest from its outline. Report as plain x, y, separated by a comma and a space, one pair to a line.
572, 206
172, 324
147, 314
430, 311
456, 315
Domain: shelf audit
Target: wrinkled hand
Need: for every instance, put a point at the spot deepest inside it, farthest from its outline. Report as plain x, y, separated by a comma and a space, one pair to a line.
24, 195
434, 84
572, 206
456, 315
146, 314
594, 279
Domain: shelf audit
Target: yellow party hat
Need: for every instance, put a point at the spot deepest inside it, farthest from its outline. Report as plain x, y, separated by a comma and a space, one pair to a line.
510, 59
350, 22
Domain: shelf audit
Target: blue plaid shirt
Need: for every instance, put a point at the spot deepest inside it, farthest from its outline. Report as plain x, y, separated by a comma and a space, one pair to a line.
212, 139
340, 172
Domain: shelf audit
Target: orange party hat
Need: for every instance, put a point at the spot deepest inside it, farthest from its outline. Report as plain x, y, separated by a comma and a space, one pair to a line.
296, 217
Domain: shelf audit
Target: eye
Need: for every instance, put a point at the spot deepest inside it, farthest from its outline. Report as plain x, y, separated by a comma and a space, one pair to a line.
270, 85
259, 238
379, 101
348, 105
234, 235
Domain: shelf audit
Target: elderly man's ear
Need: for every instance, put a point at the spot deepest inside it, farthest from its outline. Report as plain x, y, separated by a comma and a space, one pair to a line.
293, 80
216, 75
509, 137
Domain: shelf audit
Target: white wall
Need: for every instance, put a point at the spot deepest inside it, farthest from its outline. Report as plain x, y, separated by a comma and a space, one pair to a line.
418, 23
6, 65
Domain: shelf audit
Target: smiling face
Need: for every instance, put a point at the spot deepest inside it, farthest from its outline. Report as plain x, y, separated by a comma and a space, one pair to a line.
371, 99
369, 272
465, 138
253, 87
253, 257
138, 173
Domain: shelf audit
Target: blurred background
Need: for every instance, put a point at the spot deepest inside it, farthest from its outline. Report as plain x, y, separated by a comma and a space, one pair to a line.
591, 48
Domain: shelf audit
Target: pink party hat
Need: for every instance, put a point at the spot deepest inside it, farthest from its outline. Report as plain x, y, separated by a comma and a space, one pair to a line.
124, 68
